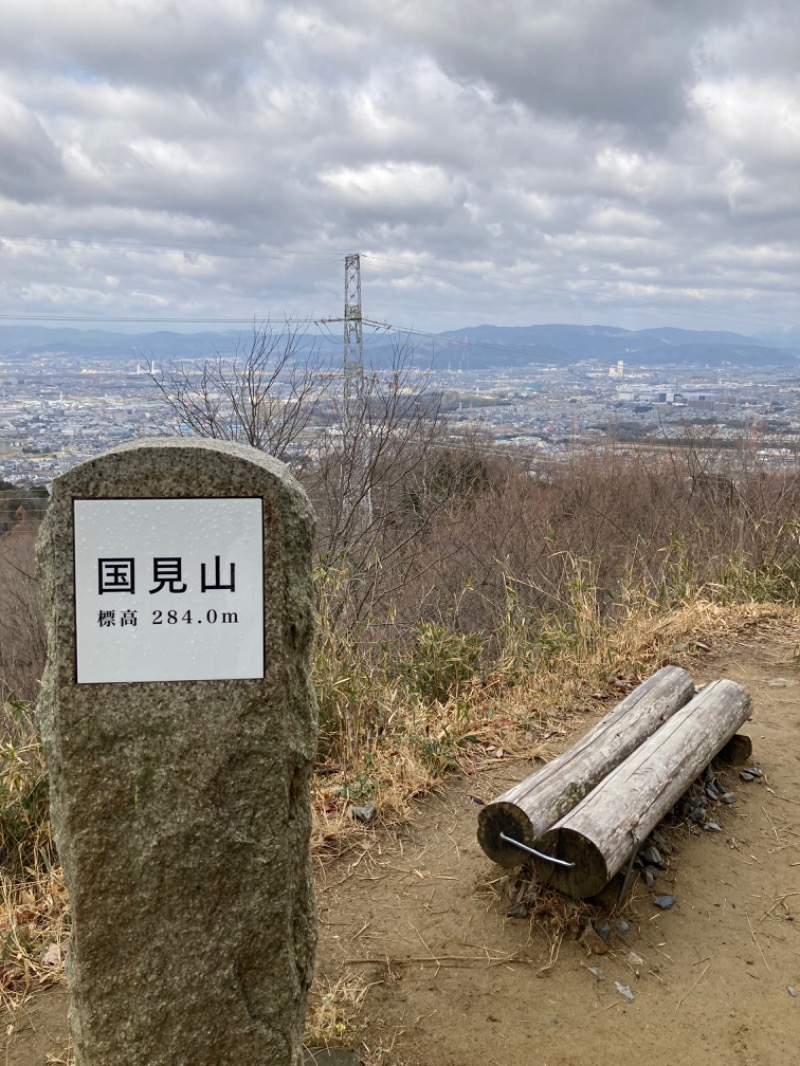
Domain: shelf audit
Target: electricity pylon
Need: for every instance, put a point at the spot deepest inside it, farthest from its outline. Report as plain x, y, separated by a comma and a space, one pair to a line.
355, 443
353, 363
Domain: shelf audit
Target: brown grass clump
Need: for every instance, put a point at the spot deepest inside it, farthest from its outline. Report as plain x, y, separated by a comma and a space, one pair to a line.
34, 930
334, 1012
34, 911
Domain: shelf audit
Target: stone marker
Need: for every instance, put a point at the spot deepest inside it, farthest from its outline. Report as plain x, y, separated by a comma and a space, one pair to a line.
179, 727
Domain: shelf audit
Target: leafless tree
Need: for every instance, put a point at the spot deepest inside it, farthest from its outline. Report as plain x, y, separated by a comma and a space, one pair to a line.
357, 465
361, 481
266, 394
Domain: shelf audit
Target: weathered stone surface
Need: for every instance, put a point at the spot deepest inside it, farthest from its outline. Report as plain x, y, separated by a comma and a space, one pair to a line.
181, 809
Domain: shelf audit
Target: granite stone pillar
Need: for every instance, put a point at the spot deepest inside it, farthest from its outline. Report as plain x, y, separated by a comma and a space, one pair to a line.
179, 727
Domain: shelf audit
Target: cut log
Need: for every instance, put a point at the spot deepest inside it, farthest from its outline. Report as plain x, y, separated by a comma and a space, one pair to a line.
737, 751
529, 809
599, 835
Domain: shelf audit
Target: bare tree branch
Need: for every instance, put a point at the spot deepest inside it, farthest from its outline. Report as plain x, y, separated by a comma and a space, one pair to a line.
266, 395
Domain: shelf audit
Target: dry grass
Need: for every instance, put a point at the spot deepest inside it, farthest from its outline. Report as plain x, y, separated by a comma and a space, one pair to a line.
333, 1012
34, 910
34, 929
515, 608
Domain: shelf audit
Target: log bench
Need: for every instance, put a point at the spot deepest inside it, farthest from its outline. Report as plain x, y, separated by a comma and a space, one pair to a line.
584, 814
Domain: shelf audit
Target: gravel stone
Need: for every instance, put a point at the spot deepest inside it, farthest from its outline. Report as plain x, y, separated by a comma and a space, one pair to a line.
664, 902
652, 856
364, 814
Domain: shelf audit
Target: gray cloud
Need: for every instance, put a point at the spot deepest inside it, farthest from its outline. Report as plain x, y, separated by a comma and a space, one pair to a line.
30, 164
620, 158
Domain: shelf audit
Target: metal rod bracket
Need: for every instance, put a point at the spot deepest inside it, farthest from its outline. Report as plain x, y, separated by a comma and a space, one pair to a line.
533, 851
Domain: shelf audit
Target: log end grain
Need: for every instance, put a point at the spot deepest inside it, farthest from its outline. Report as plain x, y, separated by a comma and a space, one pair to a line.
587, 877
507, 818
737, 751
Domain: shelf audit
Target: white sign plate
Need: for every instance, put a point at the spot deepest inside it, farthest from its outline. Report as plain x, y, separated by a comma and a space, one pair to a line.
169, 590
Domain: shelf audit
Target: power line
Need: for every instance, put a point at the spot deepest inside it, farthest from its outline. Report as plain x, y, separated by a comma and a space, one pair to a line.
440, 272
249, 319
183, 249
319, 323
445, 273
493, 279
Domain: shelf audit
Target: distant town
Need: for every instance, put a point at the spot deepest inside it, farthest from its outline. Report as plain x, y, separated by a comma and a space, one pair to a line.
59, 408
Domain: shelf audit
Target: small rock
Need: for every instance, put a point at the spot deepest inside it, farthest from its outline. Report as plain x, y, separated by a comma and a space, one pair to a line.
659, 839
517, 910
649, 875
597, 972
623, 927
792, 991
712, 827
52, 957
698, 816
364, 814
652, 856
703, 647
624, 991
665, 902
728, 797
593, 942
603, 930
746, 775
753, 770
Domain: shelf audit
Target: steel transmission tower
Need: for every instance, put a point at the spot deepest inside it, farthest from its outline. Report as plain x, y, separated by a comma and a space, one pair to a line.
355, 440
353, 369
355, 446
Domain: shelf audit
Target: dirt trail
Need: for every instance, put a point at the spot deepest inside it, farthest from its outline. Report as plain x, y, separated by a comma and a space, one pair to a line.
421, 919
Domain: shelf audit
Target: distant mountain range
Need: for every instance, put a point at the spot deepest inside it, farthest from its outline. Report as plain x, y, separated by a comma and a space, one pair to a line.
471, 348
564, 345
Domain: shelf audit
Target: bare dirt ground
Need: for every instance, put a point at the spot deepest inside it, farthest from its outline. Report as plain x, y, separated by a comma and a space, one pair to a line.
418, 919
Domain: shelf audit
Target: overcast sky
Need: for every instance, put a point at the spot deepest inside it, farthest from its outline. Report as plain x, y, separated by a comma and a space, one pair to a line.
626, 162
